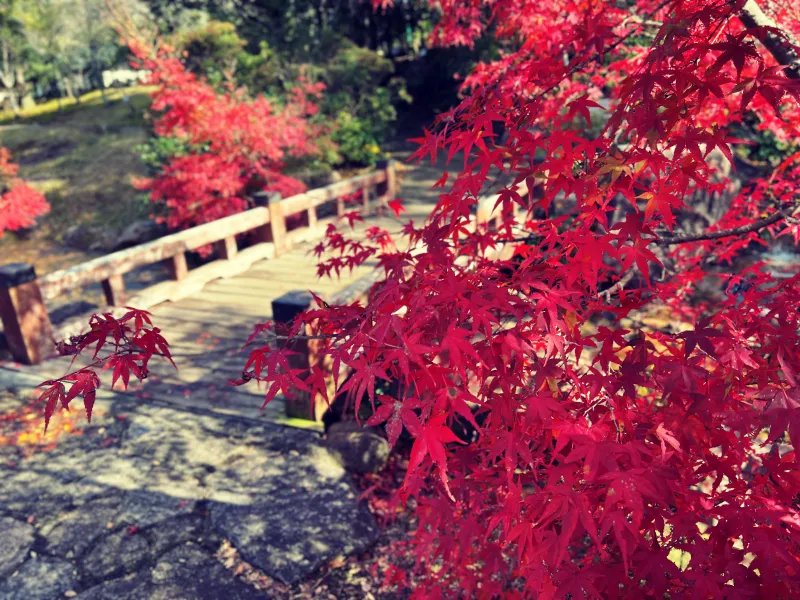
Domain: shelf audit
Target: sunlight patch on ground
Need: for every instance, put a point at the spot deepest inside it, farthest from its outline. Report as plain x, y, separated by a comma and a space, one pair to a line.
93, 98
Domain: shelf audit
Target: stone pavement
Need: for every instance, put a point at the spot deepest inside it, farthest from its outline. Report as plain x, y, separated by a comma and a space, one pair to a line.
136, 505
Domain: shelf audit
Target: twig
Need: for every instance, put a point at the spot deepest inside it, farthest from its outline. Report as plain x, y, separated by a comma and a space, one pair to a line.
716, 235
619, 286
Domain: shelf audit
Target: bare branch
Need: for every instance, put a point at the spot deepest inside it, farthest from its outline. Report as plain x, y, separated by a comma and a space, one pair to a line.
783, 48
619, 286
717, 235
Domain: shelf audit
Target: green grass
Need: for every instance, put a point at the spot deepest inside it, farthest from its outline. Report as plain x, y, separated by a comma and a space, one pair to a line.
82, 158
113, 107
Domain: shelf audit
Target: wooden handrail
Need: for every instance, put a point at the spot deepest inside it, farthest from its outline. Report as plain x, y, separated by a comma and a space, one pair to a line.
272, 238
124, 261
118, 263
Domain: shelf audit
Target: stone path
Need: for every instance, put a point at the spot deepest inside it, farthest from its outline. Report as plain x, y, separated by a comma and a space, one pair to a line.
138, 503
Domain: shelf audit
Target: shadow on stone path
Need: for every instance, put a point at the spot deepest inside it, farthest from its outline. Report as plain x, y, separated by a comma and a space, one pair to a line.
137, 505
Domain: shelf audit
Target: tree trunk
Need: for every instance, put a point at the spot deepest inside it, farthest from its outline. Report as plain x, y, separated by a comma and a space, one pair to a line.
65, 81
19, 87
784, 53
8, 78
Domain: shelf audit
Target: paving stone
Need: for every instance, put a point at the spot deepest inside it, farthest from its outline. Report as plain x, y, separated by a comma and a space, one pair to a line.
145, 508
71, 533
185, 573
172, 477
39, 579
17, 538
25, 493
177, 531
117, 554
140, 541
359, 449
291, 533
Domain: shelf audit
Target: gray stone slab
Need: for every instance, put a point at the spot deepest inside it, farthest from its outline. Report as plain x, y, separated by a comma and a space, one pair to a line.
16, 539
71, 533
39, 579
185, 573
292, 533
113, 502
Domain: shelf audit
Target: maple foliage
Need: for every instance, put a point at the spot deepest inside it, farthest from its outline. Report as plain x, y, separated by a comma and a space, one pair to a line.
605, 445
123, 345
237, 145
20, 204
615, 456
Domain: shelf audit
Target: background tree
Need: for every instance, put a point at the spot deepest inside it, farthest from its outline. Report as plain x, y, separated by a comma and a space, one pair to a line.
20, 204
222, 147
11, 47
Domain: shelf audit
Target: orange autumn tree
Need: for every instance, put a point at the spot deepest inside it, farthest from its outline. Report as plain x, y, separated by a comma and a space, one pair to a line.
236, 146
20, 204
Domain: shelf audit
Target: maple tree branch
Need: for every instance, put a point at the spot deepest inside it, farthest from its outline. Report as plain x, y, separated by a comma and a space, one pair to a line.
619, 286
783, 48
716, 235
321, 336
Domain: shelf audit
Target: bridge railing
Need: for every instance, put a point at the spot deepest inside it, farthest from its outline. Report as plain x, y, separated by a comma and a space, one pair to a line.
23, 296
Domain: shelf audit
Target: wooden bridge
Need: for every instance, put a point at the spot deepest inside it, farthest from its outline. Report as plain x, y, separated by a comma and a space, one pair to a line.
207, 312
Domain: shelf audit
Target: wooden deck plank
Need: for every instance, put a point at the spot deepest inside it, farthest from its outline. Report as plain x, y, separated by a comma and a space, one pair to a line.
259, 289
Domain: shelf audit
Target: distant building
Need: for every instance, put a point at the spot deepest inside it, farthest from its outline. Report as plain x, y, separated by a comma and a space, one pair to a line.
123, 77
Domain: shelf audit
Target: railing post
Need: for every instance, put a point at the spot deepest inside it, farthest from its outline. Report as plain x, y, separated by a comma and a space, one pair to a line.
388, 190
365, 200
483, 212
178, 269
284, 311
114, 290
226, 248
275, 230
25, 320
312, 217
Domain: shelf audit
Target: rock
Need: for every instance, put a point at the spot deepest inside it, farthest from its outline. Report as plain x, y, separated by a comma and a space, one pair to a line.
87, 237
17, 541
137, 233
293, 532
77, 236
102, 242
185, 573
360, 449
39, 579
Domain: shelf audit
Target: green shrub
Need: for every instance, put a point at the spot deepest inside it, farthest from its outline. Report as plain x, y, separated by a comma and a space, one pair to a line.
355, 139
159, 150
212, 50
361, 98
358, 108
